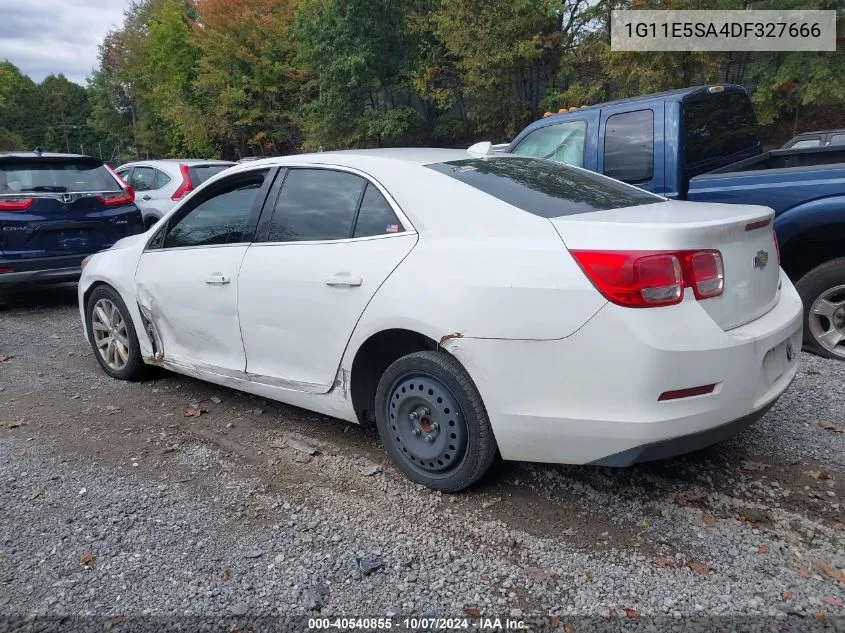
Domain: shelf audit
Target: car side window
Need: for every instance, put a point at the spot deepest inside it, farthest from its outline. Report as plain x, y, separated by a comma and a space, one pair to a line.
837, 139
807, 142
143, 179
223, 218
316, 204
124, 173
561, 142
376, 216
161, 179
629, 146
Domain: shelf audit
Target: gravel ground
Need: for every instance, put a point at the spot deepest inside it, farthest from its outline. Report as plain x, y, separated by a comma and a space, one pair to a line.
114, 504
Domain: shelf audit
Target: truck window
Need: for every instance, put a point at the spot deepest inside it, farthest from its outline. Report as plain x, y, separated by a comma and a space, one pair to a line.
561, 142
837, 139
718, 129
629, 146
806, 142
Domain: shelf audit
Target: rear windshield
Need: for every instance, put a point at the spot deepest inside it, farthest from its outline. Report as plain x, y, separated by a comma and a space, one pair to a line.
719, 129
44, 175
544, 188
201, 173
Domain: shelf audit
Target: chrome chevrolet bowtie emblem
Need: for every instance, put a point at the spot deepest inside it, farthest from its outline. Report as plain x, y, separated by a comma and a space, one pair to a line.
761, 259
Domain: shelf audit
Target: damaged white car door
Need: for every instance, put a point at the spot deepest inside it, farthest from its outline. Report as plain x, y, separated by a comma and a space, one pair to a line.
327, 240
186, 279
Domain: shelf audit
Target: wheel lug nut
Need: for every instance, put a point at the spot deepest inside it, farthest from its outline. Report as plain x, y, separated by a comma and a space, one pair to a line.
417, 431
429, 438
414, 415
435, 426
426, 411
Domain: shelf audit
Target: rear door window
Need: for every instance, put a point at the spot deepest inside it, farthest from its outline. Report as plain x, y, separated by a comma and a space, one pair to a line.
376, 216
316, 205
54, 176
561, 142
544, 188
161, 179
143, 178
837, 139
629, 146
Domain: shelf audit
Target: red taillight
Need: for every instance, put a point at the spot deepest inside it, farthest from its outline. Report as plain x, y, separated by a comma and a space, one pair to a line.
635, 279
646, 279
16, 204
5, 270
118, 198
708, 273
186, 185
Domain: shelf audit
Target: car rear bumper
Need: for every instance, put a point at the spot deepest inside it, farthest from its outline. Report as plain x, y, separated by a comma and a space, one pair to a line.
593, 397
41, 269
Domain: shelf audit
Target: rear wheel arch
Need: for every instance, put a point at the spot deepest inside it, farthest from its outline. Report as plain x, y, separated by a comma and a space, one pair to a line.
811, 248
371, 360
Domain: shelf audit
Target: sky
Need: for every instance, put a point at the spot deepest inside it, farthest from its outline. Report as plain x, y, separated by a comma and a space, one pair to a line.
43, 37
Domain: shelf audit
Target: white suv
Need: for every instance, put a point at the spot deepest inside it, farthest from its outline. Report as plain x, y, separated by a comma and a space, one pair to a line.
160, 184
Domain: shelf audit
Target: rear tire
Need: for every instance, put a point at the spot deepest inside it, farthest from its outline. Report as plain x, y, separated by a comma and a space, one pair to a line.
111, 333
433, 423
823, 292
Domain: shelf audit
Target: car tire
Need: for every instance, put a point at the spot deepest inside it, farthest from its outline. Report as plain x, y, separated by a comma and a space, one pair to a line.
149, 221
433, 422
822, 289
115, 348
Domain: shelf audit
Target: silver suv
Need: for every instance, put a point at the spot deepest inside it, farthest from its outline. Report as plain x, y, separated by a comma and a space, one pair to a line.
161, 184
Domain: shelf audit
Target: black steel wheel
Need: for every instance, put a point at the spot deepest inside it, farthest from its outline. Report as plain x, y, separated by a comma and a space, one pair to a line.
433, 423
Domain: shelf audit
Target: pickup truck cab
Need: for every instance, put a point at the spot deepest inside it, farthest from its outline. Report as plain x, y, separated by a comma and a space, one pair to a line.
702, 144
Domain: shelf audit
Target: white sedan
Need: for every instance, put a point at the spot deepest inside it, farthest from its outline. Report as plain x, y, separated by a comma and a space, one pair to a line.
468, 303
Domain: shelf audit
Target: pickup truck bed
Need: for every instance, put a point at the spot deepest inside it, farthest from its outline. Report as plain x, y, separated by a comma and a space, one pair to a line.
701, 144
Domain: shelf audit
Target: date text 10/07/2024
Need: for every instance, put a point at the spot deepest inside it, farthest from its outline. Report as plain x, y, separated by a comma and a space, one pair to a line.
421, 623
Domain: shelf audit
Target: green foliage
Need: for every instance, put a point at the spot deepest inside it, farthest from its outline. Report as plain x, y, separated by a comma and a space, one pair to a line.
246, 78
360, 58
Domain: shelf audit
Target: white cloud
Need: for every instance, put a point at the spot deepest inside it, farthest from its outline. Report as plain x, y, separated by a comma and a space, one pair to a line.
44, 37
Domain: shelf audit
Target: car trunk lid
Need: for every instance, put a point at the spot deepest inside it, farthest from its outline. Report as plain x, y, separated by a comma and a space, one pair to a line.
742, 234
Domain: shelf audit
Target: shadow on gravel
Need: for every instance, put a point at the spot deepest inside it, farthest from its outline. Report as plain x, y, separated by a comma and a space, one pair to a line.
28, 296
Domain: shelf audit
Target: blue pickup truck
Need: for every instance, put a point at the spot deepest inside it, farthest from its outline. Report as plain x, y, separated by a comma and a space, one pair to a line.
702, 144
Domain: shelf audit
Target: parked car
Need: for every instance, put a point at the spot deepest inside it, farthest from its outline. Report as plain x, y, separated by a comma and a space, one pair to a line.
820, 138
464, 301
160, 184
55, 209
701, 144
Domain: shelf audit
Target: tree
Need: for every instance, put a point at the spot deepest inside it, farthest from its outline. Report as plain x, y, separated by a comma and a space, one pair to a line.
246, 78
359, 58
508, 54
20, 127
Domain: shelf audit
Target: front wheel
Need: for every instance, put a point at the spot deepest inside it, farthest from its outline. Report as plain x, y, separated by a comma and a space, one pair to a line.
111, 333
823, 292
433, 423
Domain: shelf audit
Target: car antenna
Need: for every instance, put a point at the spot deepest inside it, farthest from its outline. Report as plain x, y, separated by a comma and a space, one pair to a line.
481, 150
37, 151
